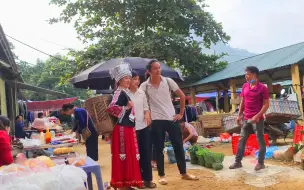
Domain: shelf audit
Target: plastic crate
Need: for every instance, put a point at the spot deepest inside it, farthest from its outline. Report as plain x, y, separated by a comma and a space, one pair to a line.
297, 136
251, 145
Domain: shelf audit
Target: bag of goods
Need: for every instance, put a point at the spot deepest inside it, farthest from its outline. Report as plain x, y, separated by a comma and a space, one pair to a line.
58, 177
284, 154
203, 140
225, 137
46, 160
79, 161
186, 145
217, 166
278, 154
289, 153
20, 158
12, 168
64, 150
218, 159
208, 157
193, 157
269, 152
171, 155
20, 186
200, 155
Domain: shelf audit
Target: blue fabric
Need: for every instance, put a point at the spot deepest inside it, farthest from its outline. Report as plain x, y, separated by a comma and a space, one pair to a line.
19, 129
292, 124
80, 115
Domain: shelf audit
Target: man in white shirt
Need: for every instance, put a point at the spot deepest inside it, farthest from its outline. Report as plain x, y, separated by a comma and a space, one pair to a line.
158, 90
142, 121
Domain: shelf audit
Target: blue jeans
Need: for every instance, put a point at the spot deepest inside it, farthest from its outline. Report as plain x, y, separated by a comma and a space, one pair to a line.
246, 130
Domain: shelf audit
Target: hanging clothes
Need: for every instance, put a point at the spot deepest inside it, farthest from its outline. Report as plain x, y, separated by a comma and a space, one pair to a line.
190, 113
205, 106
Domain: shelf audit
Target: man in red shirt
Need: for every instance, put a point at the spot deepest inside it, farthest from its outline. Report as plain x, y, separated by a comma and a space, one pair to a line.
254, 103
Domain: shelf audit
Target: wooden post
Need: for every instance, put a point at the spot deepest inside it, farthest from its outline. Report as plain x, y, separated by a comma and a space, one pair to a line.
270, 87
193, 97
217, 101
226, 101
3, 98
233, 94
295, 76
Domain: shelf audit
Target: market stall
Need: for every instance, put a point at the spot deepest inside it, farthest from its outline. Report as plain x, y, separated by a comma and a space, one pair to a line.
273, 66
48, 105
58, 158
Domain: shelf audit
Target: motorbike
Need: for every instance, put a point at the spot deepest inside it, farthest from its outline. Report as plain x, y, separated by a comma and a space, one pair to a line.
276, 130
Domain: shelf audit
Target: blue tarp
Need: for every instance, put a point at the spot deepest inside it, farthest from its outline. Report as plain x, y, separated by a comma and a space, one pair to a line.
214, 94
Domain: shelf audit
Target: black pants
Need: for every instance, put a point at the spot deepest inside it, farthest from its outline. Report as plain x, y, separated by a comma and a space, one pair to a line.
144, 144
159, 129
92, 146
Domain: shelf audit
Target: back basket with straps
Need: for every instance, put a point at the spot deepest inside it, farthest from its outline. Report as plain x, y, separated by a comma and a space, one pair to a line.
96, 108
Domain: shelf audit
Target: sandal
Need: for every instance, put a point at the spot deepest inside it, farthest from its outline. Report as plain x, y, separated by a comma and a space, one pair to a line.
163, 181
190, 177
150, 185
143, 187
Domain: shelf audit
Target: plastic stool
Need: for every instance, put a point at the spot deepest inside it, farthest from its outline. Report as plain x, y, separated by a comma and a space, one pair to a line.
93, 167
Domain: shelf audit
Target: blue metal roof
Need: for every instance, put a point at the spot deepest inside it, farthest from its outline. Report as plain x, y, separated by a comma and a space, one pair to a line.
270, 60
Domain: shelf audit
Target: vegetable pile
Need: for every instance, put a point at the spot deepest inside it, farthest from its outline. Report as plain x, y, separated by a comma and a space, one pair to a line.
204, 157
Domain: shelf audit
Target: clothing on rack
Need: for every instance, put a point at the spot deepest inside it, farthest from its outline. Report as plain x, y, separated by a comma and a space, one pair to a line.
205, 107
190, 113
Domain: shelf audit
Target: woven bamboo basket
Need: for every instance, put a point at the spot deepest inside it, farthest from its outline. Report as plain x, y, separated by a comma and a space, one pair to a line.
198, 127
96, 107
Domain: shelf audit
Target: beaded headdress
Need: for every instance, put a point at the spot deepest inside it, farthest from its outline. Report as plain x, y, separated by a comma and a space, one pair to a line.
120, 71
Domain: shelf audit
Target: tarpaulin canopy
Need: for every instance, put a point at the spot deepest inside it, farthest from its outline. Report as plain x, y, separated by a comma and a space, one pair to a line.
49, 105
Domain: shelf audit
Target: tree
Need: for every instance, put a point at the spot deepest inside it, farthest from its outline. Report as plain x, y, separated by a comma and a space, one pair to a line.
50, 74
160, 29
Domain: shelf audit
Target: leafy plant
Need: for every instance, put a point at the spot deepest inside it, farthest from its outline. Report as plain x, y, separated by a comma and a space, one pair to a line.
164, 30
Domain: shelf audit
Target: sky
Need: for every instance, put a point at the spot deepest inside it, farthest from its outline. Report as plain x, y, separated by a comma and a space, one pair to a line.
255, 25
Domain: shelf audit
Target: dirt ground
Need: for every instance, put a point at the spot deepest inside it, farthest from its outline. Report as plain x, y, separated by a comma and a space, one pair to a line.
208, 179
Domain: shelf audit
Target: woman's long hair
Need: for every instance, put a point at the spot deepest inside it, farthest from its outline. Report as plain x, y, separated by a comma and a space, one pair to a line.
4, 122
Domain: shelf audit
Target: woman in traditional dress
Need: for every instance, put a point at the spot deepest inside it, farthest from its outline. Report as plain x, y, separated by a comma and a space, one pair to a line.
84, 122
125, 155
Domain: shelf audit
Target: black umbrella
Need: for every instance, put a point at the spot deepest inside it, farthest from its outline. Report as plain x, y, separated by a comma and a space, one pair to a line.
98, 77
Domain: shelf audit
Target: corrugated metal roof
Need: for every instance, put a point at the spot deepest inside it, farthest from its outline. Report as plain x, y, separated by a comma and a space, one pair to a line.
273, 59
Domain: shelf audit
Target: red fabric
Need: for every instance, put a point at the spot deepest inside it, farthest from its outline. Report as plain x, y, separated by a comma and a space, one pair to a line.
253, 99
49, 105
114, 109
6, 157
125, 158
